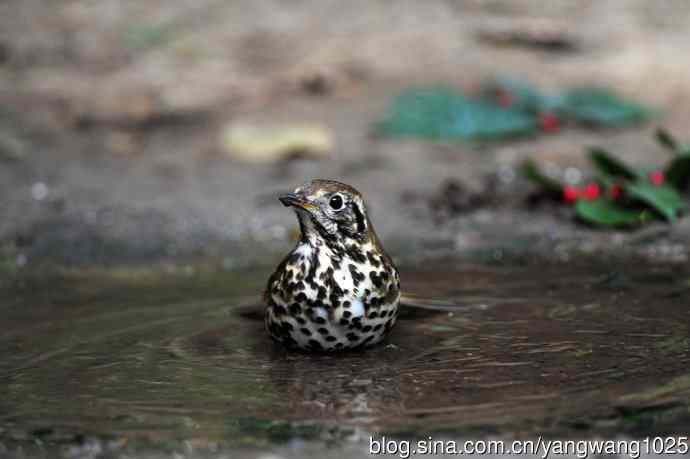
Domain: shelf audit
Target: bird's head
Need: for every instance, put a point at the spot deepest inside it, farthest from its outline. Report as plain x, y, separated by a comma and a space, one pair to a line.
330, 210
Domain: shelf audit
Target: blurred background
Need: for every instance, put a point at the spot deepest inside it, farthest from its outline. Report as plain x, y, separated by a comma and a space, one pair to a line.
122, 122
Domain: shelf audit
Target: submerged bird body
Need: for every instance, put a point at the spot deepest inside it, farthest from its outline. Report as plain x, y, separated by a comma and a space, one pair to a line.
337, 289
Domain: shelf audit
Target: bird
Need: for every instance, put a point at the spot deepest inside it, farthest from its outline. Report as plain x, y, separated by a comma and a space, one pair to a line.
337, 289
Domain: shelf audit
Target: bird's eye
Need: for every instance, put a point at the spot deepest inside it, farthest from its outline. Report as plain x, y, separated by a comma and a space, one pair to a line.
336, 202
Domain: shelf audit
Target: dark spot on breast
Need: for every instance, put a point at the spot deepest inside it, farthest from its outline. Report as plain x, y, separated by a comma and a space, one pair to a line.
287, 326
369, 338
366, 328
305, 331
375, 279
378, 327
357, 277
373, 315
355, 253
373, 259
336, 263
352, 337
315, 344
289, 341
319, 320
301, 321
347, 313
295, 309
301, 297
314, 265
346, 304
343, 322
279, 310
331, 338
323, 331
336, 289
391, 295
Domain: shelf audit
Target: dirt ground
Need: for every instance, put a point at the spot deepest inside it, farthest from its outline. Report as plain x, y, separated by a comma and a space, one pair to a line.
111, 114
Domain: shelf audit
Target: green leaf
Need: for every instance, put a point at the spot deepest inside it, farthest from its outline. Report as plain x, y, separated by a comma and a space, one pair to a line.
677, 172
525, 96
604, 212
667, 140
483, 120
663, 199
445, 114
531, 171
609, 167
601, 107
419, 112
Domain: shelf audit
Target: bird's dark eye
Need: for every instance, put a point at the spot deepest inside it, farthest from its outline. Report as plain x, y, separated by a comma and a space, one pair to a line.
336, 202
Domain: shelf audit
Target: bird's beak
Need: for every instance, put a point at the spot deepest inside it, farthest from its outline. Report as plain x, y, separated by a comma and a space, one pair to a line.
295, 200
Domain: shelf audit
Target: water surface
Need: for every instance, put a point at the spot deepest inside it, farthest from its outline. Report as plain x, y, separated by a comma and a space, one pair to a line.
164, 355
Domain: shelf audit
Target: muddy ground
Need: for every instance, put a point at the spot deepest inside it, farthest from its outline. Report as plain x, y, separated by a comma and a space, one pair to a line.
112, 114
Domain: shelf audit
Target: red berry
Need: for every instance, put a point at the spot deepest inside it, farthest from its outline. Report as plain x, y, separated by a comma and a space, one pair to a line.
505, 99
591, 191
657, 178
549, 122
472, 90
570, 193
615, 191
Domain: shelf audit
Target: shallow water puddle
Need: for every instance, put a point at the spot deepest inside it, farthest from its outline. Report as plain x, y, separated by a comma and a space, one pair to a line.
170, 356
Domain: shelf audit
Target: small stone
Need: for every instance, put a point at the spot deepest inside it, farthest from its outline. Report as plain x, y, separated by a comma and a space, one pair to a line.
572, 175
39, 191
21, 260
